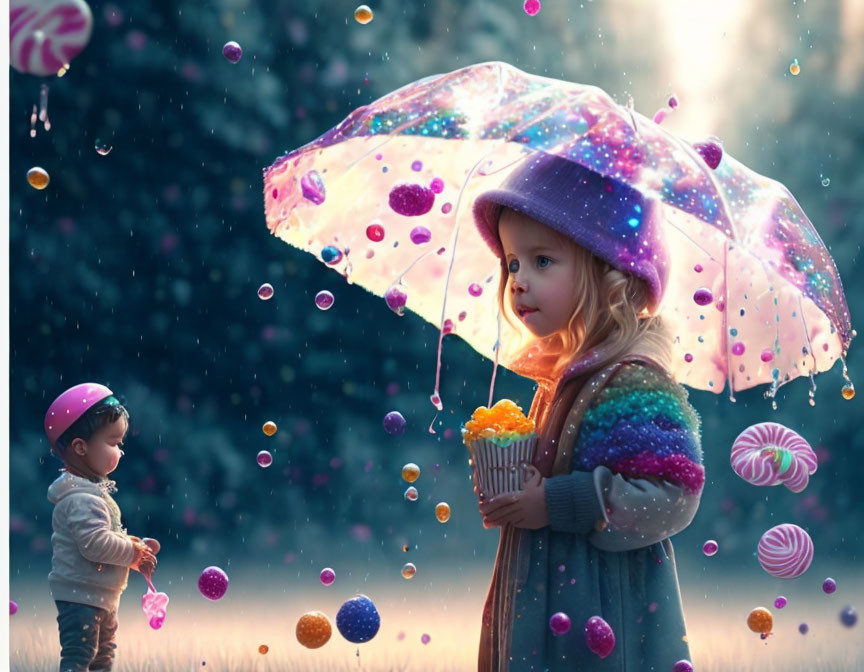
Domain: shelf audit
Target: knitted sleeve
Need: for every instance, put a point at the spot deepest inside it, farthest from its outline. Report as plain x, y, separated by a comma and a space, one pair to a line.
89, 522
638, 475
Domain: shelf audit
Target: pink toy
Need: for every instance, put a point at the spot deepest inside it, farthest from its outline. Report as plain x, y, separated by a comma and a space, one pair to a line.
154, 604
771, 454
785, 551
70, 406
45, 35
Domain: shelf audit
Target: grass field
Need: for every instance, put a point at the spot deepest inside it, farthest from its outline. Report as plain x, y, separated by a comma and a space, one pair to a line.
225, 635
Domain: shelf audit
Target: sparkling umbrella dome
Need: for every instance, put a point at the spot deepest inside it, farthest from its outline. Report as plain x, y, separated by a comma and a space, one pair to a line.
753, 295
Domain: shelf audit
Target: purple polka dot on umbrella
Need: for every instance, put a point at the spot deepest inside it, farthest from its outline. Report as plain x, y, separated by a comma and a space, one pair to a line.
213, 583
446, 208
474, 289
437, 185
396, 300
417, 166
683, 666
711, 152
394, 423
698, 268
738, 348
703, 296
411, 200
312, 186
688, 357
425, 638
767, 355
420, 235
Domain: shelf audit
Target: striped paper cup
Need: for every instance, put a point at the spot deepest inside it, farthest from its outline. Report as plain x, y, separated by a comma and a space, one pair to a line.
501, 469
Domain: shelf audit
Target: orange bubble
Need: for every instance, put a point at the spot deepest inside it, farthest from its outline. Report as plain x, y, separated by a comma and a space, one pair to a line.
38, 177
410, 472
794, 68
363, 14
848, 391
442, 512
314, 629
760, 620
263, 649
269, 428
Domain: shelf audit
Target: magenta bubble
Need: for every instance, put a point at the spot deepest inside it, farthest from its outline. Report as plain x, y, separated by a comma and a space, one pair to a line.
738, 348
437, 185
265, 292
13, 607
559, 623
688, 357
474, 289
659, 116
411, 200
324, 300
446, 208
327, 576
683, 666
264, 459
767, 355
711, 153
396, 300
780, 602
698, 268
394, 423
425, 638
213, 583
375, 232
312, 186
420, 235
703, 296
599, 636
378, 157
531, 7
417, 166
829, 586
232, 52
710, 548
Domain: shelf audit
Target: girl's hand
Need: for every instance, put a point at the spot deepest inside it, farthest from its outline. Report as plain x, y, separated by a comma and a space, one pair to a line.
525, 509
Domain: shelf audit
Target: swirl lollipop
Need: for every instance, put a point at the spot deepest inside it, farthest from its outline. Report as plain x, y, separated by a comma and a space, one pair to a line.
785, 551
45, 35
771, 454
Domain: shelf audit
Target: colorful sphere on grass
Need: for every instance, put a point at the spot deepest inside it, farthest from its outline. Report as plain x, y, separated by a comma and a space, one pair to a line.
213, 583
785, 551
313, 629
232, 52
358, 620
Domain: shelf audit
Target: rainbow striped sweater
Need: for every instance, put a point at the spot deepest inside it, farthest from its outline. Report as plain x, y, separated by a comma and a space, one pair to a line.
641, 425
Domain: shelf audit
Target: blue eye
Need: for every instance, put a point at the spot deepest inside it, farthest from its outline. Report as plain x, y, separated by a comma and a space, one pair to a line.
513, 266
539, 257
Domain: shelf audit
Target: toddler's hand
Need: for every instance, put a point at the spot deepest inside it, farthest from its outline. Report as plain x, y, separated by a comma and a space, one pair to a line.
525, 509
144, 561
153, 545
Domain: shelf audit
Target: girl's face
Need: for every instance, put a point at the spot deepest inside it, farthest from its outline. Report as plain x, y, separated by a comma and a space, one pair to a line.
541, 266
103, 451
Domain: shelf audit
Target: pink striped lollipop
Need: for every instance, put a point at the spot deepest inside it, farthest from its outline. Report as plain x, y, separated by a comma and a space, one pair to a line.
771, 454
45, 35
785, 551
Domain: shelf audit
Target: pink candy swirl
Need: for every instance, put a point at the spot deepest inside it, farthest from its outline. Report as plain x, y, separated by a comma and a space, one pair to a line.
785, 551
771, 454
44, 35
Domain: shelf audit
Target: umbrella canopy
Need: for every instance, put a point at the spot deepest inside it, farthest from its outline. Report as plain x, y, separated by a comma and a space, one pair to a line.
386, 199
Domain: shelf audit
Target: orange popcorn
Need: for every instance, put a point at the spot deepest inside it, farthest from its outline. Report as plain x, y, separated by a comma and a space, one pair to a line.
505, 417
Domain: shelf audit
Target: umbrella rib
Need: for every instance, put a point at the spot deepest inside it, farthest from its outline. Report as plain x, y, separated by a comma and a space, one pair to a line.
727, 363
807, 334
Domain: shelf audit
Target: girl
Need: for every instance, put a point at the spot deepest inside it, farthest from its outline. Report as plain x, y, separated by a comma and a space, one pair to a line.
618, 468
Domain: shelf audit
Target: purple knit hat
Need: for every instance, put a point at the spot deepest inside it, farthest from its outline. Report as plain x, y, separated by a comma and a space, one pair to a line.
605, 216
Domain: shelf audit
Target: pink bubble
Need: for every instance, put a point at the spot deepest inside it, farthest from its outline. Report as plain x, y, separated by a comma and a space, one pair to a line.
780, 602
327, 576
698, 268
420, 235
13, 607
531, 7
738, 348
767, 355
710, 548
232, 52
599, 637
446, 208
264, 459
448, 326
659, 116
474, 289
462, 316
375, 232
559, 624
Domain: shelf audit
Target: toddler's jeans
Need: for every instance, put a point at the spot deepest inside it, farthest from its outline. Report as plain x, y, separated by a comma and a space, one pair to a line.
87, 637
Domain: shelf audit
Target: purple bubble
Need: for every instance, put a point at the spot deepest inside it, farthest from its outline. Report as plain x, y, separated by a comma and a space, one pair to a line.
672, 102
711, 152
683, 666
738, 348
703, 296
474, 289
417, 166
780, 602
437, 185
13, 607
848, 616
688, 357
829, 585
425, 638
599, 637
232, 52
394, 423
396, 300
313, 187
559, 623
411, 200
420, 235
324, 300
213, 583
264, 459
327, 576
710, 548
803, 628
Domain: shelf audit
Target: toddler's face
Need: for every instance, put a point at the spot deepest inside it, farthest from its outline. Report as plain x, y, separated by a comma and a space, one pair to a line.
103, 448
541, 266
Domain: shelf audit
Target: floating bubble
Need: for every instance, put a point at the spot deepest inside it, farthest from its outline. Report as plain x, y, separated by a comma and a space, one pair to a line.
780, 602
102, 147
375, 232
531, 7
446, 208
327, 576
683, 666
795, 68
408, 570
324, 300
848, 616
394, 423
363, 14
599, 636
829, 586
232, 52
559, 623
313, 629
38, 177
396, 300
425, 638
710, 547
265, 292
848, 391
760, 620
826, 182
358, 619
312, 186
411, 494
420, 235
13, 607
442, 512
263, 649
703, 296
410, 472
803, 628
411, 200
264, 459
269, 428
213, 583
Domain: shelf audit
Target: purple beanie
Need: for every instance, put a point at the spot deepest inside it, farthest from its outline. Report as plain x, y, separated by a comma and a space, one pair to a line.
605, 216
